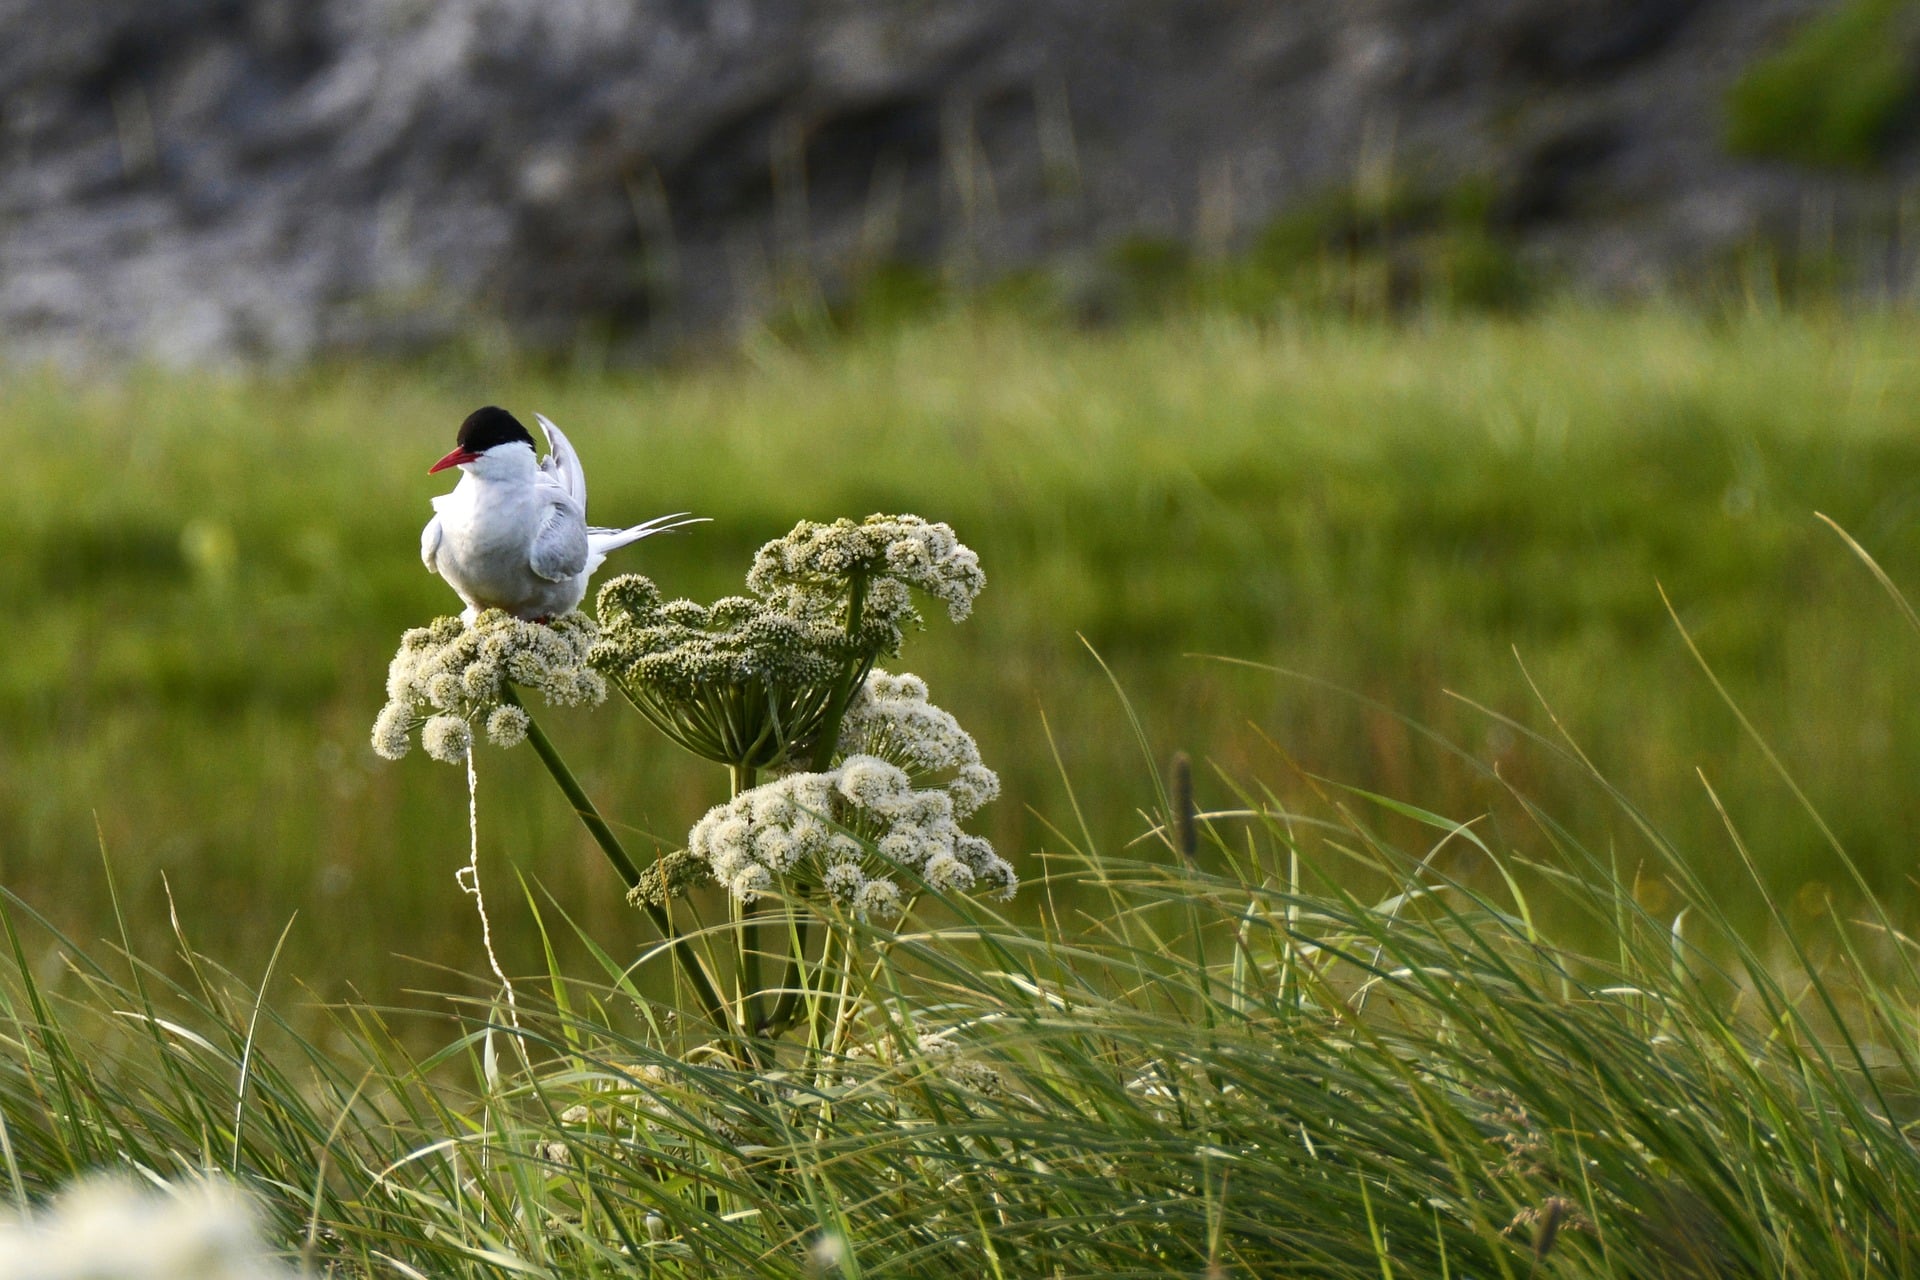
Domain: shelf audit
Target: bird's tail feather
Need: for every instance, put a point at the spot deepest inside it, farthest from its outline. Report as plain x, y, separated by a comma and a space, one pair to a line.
602, 541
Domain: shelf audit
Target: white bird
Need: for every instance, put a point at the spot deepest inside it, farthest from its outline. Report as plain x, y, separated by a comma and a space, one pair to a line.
513, 534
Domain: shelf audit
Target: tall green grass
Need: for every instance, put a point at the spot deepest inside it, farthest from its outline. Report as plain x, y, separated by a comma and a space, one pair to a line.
1239, 1070
208, 574
1524, 982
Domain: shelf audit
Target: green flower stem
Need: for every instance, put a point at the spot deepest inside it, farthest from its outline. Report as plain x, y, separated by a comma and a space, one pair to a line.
786, 1006
609, 843
747, 926
843, 688
576, 796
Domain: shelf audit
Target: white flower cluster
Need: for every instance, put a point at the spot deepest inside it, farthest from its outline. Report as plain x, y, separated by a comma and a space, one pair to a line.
451, 675
111, 1229
849, 827
809, 571
942, 1051
890, 717
633, 1098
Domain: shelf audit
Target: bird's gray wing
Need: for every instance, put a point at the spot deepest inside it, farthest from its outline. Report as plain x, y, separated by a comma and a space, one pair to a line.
563, 464
559, 548
430, 545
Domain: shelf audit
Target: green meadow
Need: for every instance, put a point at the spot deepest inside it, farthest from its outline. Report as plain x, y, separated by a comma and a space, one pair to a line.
1456, 523
1547, 910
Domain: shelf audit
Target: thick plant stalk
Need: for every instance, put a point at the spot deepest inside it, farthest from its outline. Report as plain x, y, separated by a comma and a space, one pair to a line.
788, 1001
829, 739
786, 1005
576, 796
583, 808
746, 929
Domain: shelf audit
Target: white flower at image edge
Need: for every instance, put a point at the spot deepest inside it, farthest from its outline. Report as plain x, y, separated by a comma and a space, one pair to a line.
109, 1228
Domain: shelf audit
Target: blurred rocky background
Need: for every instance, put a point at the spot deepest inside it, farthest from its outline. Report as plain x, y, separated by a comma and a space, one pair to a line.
210, 182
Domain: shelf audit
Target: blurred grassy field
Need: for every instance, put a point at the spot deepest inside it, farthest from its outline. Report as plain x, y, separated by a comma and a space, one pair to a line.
207, 576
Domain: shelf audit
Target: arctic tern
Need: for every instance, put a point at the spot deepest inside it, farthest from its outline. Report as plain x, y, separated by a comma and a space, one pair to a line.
513, 534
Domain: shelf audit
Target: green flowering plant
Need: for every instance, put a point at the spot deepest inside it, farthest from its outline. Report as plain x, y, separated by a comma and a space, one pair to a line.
848, 787
756, 681
452, 675
871, 781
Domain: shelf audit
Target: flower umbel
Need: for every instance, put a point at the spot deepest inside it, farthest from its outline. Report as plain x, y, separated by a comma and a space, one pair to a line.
757, 680
821, 570
891, 718
847, 830
738, 682
450, 676
870, 780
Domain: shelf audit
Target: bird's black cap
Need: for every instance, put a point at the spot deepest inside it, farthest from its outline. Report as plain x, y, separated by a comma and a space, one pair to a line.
485, 428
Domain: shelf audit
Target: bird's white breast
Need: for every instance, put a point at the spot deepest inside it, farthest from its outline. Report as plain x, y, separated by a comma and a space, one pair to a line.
488, 524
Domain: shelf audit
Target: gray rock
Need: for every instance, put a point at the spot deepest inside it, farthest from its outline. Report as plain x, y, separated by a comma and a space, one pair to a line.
211, 182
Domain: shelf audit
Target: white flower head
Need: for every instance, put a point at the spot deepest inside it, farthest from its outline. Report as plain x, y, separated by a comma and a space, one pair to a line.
507, 726
816, 569
906, 846
750, 881
890, 718
931, 810
447, 738
998, 878
726, 863
842, 829
972, 789
904, 687
445, 690
111, 1227
731, 831
813, 836
947, 874
975, 851
844, 880
776, 848
392, 731
878, 899
811, 793
703, 830
771, 806
874, 785
481, 681
455, 671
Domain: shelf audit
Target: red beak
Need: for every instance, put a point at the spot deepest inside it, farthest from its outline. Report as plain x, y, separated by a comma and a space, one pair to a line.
454, 459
